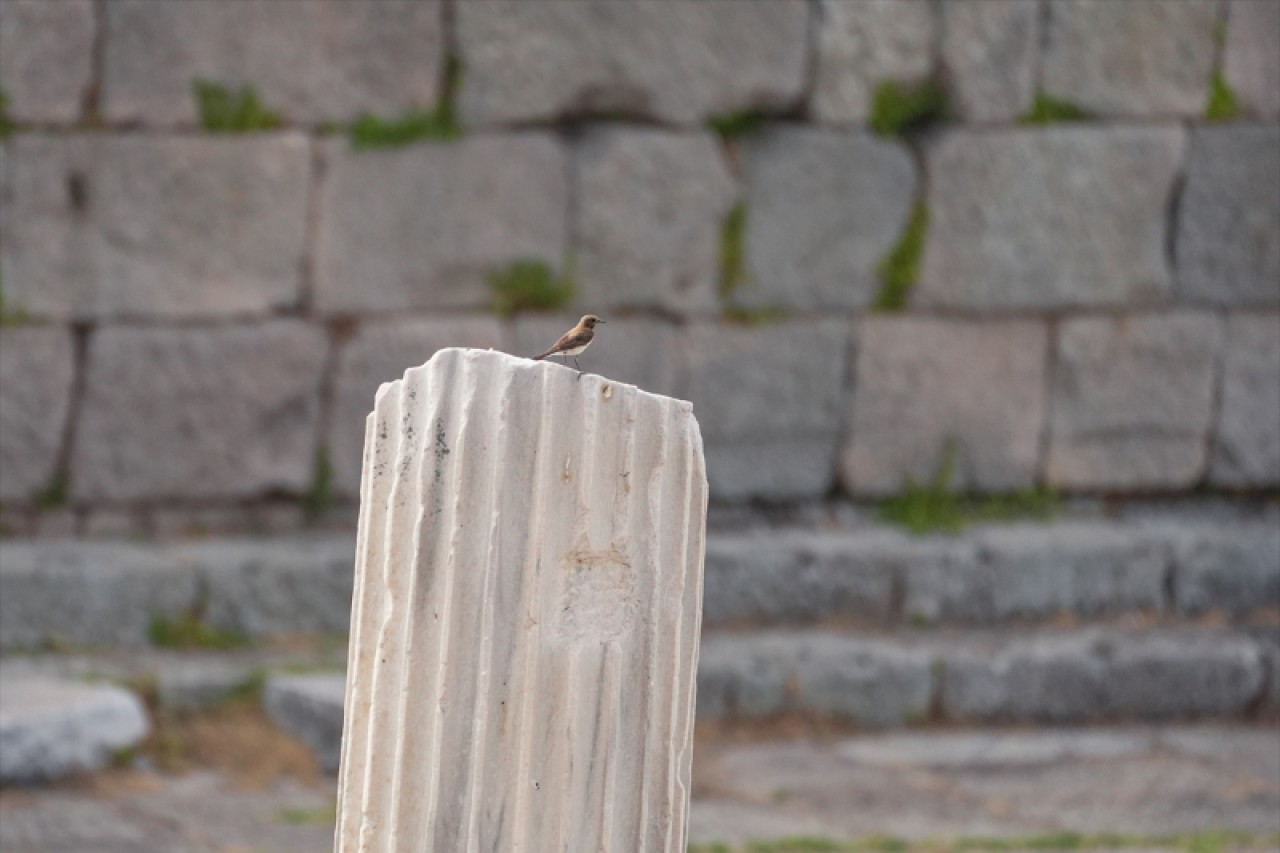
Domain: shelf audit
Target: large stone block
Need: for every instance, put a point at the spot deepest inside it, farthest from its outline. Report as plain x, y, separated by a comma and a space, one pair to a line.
823, 207
1228, 245
1235, 568
634, 350
649, 210
381, 352
36, 367
423, 226
1097, 675
989, 49
284, 586
1136, 58
1133, 401
1062, 216
50, 727
769, 401
929, 388
1081, 568
1246, 449
216, 412
677, 61
113, 226
311, 61
1084, 569
1251, 56
805, 578
83, 594
309, 707
46, 58
850, 678
863, 44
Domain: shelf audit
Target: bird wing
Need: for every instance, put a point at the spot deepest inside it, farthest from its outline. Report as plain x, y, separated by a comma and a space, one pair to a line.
569, 340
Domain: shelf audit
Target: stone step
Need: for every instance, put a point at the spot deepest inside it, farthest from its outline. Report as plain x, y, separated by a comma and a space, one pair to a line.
932, 676
90, 593
50, 727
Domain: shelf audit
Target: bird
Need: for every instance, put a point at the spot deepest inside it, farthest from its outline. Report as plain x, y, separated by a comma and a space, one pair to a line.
574, 341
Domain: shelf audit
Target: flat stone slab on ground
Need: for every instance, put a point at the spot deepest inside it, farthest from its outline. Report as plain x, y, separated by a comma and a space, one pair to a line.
309, 707
52, 727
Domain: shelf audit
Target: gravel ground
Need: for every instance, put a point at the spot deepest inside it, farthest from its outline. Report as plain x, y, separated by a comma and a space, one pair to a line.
1142, 782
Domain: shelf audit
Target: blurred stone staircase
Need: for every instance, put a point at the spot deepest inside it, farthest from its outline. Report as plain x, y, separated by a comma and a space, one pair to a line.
1085, 620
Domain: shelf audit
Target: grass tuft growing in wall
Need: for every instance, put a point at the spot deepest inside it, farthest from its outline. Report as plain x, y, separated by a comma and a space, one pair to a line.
530, 285
900, 268
438, 125
732, 258
901, 108
1223, 104
738, 124
189, 632
1046, 109
223, 110
319, 496
934, 507
55, 495
6, 125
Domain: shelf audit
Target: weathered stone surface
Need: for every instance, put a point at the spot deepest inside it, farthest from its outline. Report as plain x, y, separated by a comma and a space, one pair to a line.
87, 594
676, 61
1133, 400
216, 412
309, 707
1251, 56
861, 45
823, 207
1063, 678
313, 61
1137, 58
1082, 568
283, 586
1246, 449
635, 350
109, 226
648, 219
381, 352
989, 49
1061, 216
852, 678
926, 388
806, 578
46, 56
1229, 567
36, 366
50, 727
1229, 217
769, 402
492, 200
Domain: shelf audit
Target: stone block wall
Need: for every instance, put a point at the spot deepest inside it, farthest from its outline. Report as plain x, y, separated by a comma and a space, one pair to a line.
195, 322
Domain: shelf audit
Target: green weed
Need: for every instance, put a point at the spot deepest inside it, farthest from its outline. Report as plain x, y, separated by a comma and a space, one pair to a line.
319, 496
320, 816
530, 285
732, 258
736, 125
1223, 104
438, 125
6, 125
1050, 110
902, 108
190, 632
900, 268
223, 110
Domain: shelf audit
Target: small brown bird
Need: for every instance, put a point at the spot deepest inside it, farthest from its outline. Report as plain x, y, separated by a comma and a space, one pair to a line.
574, 341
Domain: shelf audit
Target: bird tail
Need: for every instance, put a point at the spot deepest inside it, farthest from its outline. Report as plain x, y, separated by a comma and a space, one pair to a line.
544, 355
